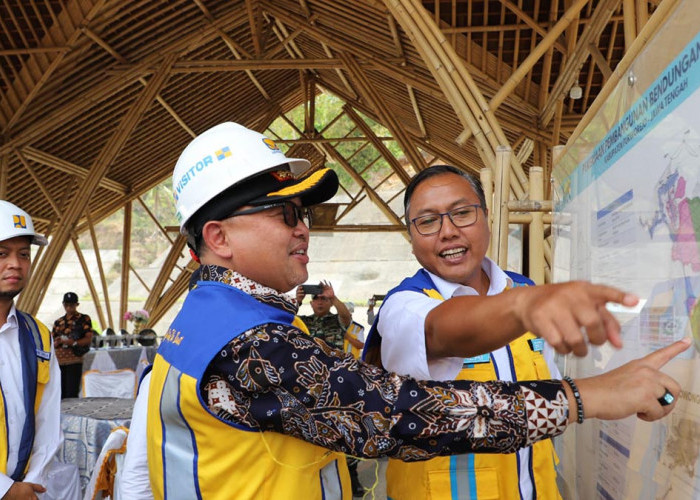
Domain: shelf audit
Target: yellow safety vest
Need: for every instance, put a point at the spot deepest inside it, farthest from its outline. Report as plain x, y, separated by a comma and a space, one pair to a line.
475, 476
481, 476
194, 454
35, 342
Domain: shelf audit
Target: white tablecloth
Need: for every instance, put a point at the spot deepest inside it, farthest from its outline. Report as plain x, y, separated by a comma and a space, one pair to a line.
86, 424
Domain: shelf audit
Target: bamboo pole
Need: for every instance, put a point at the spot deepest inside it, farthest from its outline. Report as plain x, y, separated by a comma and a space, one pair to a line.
522, 71
126, 258
166, 270
486, 176
100, 268
499, 231
536, 229
91, 284
532, 59
368, 91
409, 17
538, 205
630, 22
455, 80
526, 218
656, 21
4, 161
567, 75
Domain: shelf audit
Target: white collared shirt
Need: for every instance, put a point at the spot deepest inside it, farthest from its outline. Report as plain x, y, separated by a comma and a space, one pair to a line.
48, 435
402, 327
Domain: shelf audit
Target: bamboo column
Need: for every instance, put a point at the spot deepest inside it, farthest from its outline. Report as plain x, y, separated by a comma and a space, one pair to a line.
536, 229
91, 284
4, 161
126, 258
100, 268
499, 227
166, 270
486, 177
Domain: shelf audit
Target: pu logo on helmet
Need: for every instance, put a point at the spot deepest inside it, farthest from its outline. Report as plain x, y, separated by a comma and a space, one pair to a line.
223, 153
19, 221
270, 144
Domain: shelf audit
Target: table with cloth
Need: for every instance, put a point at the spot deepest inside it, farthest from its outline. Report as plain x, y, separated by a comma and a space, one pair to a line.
86, 424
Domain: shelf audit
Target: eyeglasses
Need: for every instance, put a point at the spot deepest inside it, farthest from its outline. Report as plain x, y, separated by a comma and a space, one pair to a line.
291, 212
460, 217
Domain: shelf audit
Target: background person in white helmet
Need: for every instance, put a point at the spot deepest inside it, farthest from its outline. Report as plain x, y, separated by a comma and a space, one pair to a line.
243, 404
27, 367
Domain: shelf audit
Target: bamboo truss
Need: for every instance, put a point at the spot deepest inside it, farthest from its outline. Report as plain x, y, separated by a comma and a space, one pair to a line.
100, 97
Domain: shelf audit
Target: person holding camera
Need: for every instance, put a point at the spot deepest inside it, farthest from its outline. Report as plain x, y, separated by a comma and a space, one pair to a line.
322, 324
72, 335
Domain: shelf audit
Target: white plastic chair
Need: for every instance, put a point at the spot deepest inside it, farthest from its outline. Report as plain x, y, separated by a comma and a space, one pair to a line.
111, 384
105, 477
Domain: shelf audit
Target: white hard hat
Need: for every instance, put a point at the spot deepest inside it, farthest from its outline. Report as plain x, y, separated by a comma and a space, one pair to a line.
16, 222
219, 158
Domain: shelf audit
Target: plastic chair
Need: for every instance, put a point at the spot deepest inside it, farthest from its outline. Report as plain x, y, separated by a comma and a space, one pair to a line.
123, 338
105, 476
112, 384
147, 337
103, 339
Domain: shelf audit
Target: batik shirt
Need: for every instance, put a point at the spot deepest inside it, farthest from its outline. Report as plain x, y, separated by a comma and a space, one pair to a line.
78, 324
276, 378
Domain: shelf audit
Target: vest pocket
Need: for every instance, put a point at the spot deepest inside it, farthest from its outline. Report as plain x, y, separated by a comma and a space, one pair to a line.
42, 372
541, 367
441, 485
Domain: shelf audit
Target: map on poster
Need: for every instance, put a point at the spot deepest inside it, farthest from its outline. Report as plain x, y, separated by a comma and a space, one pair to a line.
631, 212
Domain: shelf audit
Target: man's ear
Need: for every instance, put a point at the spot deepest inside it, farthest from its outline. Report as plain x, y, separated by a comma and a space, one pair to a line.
216, 239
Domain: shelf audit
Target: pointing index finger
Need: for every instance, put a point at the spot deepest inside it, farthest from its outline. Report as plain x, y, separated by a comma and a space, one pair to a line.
610, 294
660, 357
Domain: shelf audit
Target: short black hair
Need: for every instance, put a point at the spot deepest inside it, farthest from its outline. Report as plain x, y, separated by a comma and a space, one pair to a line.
438, 170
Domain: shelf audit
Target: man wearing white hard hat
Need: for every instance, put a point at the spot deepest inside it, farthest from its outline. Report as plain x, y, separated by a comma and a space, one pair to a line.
244, 404
30, 380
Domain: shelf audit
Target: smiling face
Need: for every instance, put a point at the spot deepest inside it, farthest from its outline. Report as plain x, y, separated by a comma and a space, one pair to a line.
453, 253
265, 249
15, 260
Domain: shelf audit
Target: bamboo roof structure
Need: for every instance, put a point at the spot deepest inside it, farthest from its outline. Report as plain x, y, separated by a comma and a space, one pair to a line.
99, 97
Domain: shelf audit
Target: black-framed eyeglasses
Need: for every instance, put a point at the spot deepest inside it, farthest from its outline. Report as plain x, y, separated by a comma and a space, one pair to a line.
291, 212
432, 223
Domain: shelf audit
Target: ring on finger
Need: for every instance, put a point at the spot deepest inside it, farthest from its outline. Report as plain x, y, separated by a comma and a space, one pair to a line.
666, 399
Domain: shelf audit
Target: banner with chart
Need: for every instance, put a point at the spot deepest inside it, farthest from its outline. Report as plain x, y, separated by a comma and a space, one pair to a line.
627, 202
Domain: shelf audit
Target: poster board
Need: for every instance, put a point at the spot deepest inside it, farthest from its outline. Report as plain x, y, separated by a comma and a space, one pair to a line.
627, 214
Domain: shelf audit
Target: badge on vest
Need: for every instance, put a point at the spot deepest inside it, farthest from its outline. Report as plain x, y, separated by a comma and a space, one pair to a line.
475, 360
536, 345
43, 354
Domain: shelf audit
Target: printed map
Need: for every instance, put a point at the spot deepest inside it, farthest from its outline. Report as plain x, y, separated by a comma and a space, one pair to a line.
628, 215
